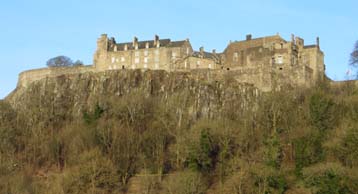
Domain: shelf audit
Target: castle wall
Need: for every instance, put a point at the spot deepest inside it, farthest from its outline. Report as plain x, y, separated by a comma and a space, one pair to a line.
314, 58
267, 63
201, 63
27, 77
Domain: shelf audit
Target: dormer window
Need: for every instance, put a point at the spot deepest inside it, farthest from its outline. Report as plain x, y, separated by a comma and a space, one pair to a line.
147, 45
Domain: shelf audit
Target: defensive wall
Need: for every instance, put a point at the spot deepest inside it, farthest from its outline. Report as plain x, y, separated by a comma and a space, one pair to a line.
27, 77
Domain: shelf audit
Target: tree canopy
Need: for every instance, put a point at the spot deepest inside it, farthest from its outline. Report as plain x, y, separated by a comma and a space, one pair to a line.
60, 61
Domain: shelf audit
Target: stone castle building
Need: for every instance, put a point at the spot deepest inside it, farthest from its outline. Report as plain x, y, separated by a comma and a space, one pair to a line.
260, 61
266, 62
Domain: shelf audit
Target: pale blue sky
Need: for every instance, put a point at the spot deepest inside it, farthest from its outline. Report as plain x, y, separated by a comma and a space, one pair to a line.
34, 31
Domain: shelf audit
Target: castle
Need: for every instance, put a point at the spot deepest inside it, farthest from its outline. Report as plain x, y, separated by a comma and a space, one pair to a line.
266, 62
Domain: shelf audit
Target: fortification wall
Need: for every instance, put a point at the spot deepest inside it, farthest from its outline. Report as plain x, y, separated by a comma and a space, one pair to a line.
27, 77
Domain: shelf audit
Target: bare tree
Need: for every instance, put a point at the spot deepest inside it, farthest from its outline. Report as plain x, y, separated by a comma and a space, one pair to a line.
354, 56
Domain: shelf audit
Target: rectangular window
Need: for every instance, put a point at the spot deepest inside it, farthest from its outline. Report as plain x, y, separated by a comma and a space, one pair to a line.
145, 59
113, 59
156, 66
123, 59
236, 57
145, 53
279, 59
136, 54
145, 66
136, 60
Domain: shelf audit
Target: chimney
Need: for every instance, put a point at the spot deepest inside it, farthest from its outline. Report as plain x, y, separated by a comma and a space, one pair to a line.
156, 41
214, 51
135, 42
317, 41
293, 38
201, 49
248, 37
113, 40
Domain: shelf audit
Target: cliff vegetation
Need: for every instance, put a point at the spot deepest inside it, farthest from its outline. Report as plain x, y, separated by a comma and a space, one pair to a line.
156, 132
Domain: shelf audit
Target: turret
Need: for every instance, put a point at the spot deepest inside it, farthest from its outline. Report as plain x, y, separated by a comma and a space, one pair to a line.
102, 42
99, 58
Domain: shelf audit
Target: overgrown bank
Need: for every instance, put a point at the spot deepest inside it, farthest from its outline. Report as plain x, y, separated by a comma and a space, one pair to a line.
92, 133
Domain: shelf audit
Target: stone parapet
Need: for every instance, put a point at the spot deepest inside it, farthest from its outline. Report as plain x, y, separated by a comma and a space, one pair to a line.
27, 77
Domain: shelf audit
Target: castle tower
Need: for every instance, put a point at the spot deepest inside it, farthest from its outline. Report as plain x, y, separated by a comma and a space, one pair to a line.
100, 56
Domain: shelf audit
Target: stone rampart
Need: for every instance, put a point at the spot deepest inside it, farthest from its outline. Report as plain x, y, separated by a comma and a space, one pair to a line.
27, 77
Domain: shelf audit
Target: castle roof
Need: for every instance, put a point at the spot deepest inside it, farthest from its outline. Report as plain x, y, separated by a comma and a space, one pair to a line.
256, 42
205, 55
142, 44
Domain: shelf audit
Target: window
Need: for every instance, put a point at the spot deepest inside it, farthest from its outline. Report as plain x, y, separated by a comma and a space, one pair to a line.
136, 60
145, 59
185, 64
210, 66
187, 50
133, 66
113, 59
145, 53
174, 54
145, 65
279, 59
123, 59
136, 54
236, 57
156, 66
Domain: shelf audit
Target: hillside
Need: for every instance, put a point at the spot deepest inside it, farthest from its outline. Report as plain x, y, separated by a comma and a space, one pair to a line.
133, 131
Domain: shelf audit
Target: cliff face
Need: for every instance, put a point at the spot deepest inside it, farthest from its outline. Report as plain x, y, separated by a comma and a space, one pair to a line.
133, 131
67, 96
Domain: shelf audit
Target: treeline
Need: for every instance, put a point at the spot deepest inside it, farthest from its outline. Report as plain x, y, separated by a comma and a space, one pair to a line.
302, 141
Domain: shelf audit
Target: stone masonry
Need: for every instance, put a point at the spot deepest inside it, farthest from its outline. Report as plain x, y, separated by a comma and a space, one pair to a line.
267, 62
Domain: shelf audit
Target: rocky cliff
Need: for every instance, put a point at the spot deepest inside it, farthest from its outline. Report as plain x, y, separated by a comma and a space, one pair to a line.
67, 96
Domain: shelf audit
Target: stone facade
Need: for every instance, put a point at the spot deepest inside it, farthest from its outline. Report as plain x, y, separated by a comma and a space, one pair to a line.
267, 62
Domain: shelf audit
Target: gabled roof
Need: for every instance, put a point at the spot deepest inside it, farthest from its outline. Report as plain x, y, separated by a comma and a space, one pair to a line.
245, 44
205, 55
142, 44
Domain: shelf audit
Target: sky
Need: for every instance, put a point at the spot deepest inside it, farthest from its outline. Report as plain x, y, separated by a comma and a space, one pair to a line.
34, 31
